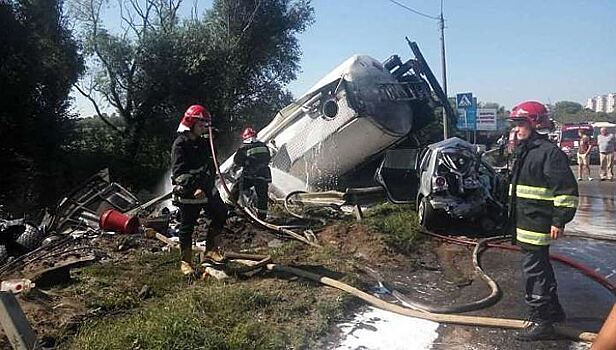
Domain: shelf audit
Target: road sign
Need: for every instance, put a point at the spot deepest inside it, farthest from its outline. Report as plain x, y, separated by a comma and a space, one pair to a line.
486, 119
467, 118
464, 100
461, 124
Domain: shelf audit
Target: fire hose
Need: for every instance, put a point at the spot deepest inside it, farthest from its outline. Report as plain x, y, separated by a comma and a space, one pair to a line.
562, 259
436, 317
492, 322
310, 240
491, 299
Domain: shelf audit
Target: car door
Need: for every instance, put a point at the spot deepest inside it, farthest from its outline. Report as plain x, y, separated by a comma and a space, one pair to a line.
398, 175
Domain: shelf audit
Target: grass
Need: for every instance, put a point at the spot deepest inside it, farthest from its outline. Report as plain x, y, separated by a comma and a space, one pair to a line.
257, 313
115, 286
398, 224
211, 315
263, 312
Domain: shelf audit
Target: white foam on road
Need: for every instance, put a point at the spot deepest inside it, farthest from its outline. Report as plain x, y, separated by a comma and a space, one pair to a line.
376, 329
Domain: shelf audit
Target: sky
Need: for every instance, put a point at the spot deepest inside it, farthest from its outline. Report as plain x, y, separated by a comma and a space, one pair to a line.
501, 51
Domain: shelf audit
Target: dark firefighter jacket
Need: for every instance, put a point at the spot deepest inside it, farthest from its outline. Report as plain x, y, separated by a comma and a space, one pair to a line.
543, 191
192, 168
254, 158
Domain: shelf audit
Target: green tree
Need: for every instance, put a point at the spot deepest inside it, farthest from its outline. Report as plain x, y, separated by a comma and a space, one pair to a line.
567, 107
236, 60
39, 64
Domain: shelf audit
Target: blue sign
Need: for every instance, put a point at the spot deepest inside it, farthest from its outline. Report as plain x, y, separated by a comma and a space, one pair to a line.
467, 119
467, 111
464, 100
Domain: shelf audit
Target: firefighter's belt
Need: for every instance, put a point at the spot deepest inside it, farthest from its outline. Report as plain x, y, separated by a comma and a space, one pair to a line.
544, 194
178, 199
532, 237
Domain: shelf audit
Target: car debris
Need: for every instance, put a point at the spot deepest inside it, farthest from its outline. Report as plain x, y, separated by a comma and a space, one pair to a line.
76, 218
446, 180
16, 286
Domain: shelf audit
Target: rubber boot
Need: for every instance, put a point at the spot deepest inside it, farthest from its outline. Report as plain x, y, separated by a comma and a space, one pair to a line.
186, 266
213, 253
540, 328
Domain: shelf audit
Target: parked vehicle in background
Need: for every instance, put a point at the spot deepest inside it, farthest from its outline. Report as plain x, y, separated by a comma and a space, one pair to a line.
611, 128
448, 180
570, 141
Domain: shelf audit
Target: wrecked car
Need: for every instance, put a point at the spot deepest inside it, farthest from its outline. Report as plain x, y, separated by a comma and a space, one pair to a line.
447, 181
352, 115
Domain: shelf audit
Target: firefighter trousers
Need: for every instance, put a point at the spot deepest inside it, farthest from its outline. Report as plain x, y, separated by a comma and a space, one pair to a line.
261, 188
215, 208
539, 280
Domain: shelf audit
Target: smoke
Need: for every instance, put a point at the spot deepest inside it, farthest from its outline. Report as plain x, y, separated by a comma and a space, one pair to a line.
164, 186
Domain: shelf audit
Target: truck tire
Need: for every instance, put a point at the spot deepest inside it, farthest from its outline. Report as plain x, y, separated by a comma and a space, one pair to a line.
31, 238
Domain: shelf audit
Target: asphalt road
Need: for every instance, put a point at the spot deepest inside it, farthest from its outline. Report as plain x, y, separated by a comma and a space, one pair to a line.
586, 302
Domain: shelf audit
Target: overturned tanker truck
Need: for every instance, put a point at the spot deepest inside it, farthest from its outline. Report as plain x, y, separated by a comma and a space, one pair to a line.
347, 119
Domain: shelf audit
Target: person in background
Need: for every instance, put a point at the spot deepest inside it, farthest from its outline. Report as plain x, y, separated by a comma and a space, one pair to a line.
583, 155
606, 141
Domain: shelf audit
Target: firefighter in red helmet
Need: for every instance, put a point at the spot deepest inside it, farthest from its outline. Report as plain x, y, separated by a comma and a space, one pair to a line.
193, 175
253, 157
543, 198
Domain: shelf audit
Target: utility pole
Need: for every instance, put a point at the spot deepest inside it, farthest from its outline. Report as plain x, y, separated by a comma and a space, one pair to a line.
444, 65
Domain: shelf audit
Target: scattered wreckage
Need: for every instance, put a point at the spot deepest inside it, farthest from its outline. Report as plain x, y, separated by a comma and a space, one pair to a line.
448, 180
94, 205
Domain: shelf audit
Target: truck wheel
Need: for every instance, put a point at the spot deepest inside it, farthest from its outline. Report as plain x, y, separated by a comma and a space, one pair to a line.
425, 214
31, 238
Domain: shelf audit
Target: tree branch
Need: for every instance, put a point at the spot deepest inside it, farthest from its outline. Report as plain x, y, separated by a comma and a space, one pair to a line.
97, 109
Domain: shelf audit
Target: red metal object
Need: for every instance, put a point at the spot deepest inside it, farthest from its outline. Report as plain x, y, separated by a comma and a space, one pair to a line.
113, 220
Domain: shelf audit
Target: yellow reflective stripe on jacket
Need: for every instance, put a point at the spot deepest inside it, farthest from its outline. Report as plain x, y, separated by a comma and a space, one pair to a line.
541, 193
257, 150
532, 192
566, 201
531, 237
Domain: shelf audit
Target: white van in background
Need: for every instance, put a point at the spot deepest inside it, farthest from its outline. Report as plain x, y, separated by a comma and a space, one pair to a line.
611, 128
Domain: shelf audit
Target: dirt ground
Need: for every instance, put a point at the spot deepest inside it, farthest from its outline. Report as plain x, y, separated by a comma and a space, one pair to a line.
435, 273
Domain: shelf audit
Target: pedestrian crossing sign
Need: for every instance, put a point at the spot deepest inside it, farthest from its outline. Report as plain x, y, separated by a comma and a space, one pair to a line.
464, 100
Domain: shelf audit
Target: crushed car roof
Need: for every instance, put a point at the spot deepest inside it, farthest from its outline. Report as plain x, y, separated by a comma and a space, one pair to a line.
453, 142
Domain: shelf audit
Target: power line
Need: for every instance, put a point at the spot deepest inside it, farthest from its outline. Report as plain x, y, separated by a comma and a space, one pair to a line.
413, 10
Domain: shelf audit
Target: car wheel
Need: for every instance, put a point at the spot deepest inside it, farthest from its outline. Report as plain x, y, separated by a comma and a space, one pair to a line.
425, 214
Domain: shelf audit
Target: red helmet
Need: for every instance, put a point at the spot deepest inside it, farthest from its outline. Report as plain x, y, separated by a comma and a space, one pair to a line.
192, 114
534, 113
248, 133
